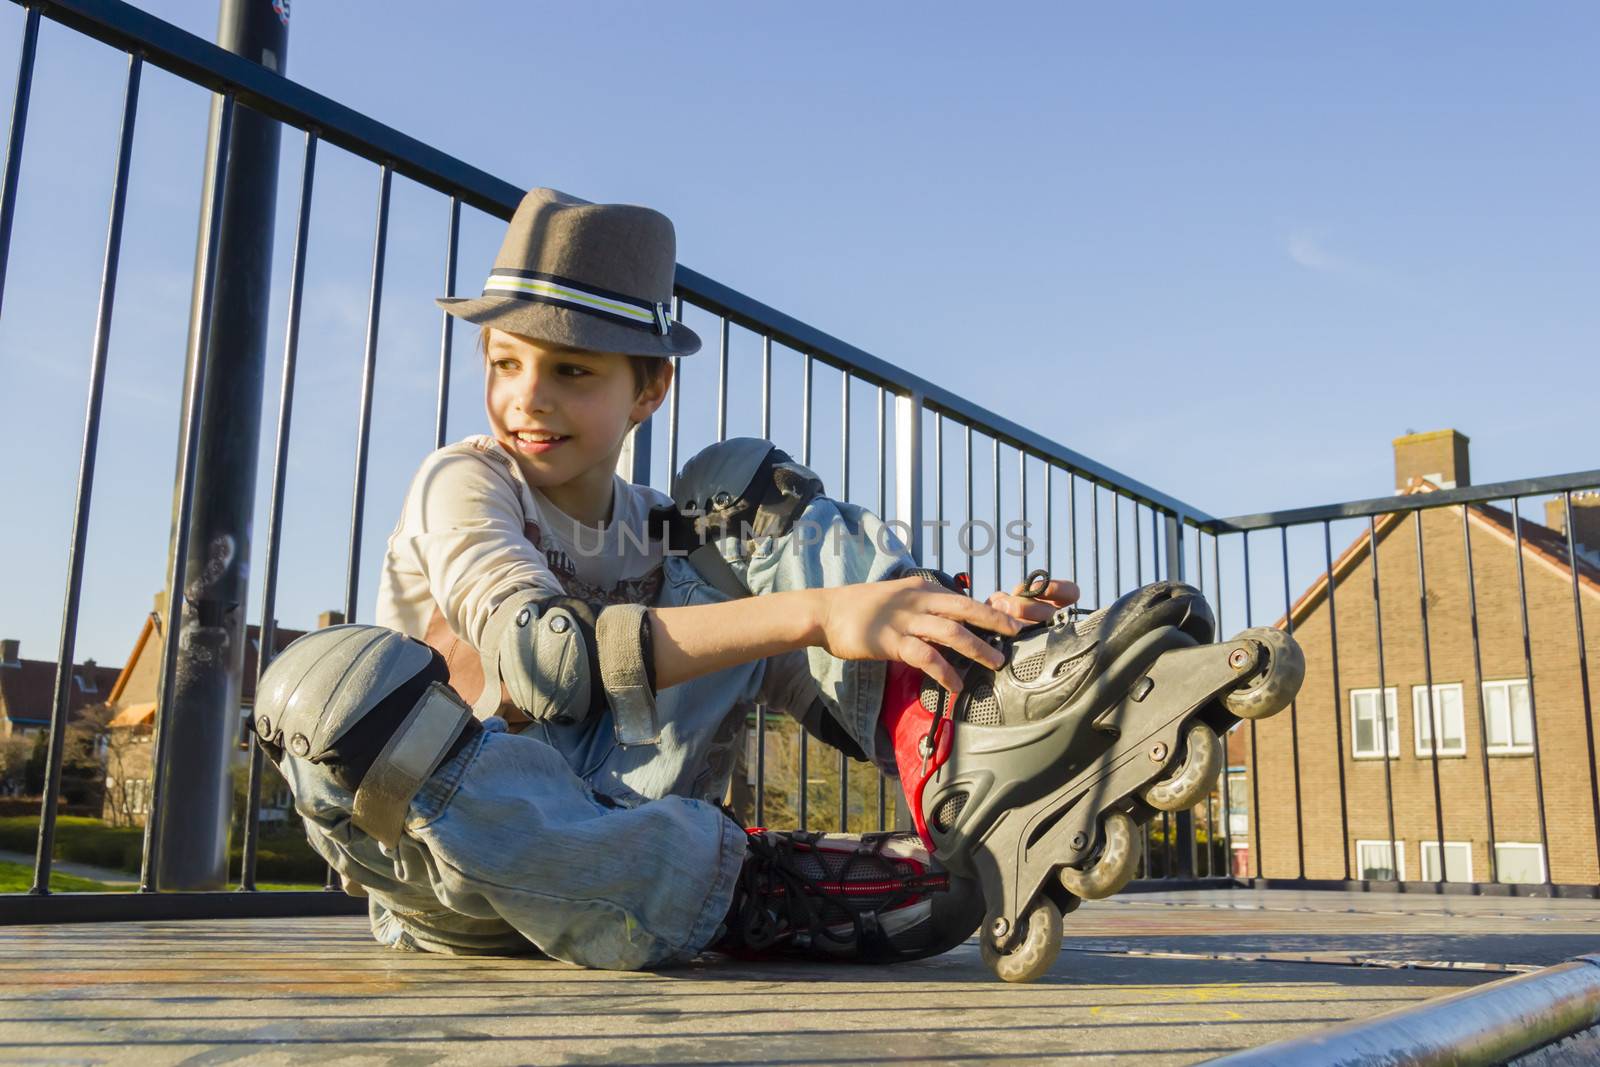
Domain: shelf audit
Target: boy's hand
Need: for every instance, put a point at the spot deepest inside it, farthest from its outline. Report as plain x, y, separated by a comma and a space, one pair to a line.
903, 620
1058, 593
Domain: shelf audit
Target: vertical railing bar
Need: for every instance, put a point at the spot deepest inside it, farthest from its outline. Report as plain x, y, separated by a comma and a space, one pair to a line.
1533, 707
1072, 526
1049, 524
766, 386
1435, 720
55, 753
1022, 503
761, 710
1383, 694
1294, 723
1227, 759
805, 460
1338, 702
938, 484
1116, 541
280, 471
971, 566
672, 406
1583, 676
189, 444
844, 494
1255, 777
1483, 714
722, 382
368, 371
994, 480
884, 506
447, 332
1138, 549
1094, 539
19, 125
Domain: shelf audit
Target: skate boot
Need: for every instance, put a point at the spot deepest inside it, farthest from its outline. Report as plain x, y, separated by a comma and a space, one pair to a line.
866, 898
1035, 778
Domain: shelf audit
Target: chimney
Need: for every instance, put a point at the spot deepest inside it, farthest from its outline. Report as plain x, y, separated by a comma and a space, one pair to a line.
10, 649
330, 618
1440, 456
1585, 521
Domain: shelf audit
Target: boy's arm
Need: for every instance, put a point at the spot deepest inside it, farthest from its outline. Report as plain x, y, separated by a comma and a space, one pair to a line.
900, 620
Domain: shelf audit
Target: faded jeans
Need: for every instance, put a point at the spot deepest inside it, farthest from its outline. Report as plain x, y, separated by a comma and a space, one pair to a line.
561, 841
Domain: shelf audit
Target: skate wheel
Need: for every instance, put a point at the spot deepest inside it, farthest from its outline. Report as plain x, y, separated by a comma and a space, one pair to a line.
1194, 779
1115, 866
1270, 689
1036, 948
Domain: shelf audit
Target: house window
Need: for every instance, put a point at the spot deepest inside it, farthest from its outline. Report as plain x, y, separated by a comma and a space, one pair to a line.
1457, 861
1238, 805
1446, 720
1518, 863
1509, 714
1376, 860
1367, 719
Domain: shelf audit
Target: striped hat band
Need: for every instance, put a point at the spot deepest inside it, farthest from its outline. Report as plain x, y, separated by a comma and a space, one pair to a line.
564, 292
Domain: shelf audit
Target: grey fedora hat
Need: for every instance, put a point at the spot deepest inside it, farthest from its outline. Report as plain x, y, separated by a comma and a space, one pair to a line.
591, 276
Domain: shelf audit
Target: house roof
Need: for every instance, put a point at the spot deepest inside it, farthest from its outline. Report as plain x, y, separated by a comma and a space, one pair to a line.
153, 621
28, 690
1539, 542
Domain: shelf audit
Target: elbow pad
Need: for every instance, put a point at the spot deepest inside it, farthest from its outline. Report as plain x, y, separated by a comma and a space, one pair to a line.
564, 660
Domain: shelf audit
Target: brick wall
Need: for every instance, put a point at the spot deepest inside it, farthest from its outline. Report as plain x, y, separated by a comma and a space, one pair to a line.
1323, 719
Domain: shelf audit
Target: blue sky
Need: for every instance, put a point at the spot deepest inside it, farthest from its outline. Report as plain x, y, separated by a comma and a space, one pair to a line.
1231, 250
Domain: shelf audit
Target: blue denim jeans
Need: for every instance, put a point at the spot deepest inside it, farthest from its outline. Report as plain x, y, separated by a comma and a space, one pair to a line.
560, 840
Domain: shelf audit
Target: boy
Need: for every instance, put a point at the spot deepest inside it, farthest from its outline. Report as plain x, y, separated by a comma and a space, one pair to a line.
610, 673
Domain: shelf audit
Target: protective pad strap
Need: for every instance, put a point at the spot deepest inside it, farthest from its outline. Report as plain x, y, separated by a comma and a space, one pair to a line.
412, 754
622, 636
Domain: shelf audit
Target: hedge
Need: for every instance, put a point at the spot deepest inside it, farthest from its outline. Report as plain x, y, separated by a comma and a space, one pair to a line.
284, 856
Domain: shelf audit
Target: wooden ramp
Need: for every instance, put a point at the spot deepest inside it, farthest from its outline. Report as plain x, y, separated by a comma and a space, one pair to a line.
1153, 979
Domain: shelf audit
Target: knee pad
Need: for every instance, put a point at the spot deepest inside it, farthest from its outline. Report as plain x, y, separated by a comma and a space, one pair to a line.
563, 660
744, 487
369, 704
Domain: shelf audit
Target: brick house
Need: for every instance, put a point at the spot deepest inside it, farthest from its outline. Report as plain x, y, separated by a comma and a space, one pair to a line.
28, 689
1484, 710
127, 748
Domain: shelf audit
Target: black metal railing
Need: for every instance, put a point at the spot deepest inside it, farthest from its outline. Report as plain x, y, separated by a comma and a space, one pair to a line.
905, 408
1402, 608
1096, 526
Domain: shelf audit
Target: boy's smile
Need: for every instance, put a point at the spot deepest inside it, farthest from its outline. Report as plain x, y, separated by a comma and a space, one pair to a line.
563, 414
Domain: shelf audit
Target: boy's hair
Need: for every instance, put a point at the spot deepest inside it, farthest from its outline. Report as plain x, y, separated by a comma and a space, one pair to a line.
646, 369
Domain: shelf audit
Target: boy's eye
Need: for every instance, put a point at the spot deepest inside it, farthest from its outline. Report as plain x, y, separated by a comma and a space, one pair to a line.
574, 370
506, 365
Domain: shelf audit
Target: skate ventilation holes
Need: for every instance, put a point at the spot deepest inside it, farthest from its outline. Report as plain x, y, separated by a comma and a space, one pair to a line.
1034, 779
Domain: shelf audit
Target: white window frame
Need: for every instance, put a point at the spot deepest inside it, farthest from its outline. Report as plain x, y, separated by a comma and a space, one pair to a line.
1423, 726
1391, 698
1514, 748
1398, 854
1424, 846
1538, 849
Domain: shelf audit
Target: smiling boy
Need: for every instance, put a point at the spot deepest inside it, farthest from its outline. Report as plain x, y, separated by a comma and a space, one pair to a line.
609, 674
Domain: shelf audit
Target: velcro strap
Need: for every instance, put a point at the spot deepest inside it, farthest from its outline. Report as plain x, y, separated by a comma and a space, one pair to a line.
619, 635
412, 754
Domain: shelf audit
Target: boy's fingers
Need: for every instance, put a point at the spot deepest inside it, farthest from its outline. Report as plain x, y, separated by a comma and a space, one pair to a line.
1058, 592
1021, 607
919, 654
964, 609
956, 637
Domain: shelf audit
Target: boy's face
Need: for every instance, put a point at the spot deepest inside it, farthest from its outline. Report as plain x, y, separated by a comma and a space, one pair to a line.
564, 412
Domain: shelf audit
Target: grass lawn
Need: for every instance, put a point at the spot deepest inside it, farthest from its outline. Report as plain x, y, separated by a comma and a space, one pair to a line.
18, 878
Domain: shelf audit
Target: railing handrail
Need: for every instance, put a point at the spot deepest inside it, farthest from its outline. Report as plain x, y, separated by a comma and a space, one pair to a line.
1386, 505
124, 26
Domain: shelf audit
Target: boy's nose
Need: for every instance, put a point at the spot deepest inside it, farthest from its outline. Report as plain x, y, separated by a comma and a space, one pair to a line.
536, 392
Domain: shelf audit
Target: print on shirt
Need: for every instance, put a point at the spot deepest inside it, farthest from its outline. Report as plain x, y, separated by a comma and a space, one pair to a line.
642, 590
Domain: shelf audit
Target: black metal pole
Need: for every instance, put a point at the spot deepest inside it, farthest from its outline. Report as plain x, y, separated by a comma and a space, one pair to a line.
201, 714
19, 125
